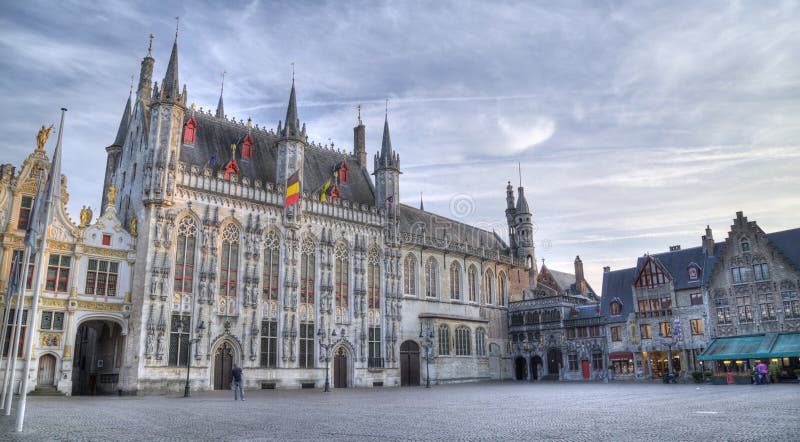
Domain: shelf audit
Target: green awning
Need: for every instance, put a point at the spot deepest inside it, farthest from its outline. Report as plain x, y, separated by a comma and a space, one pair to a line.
769, 345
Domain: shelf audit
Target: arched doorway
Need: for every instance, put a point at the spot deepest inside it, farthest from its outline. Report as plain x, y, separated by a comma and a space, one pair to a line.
409, 364
520, 367
47, 372
536, 366
223, 364
554, 360
340, 368
99, 350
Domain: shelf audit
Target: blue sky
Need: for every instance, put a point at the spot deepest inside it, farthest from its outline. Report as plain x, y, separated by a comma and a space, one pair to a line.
636, 124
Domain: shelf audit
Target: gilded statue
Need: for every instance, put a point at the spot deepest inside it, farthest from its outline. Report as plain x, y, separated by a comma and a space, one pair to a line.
86, 216
111, 196
133, 226
42, 136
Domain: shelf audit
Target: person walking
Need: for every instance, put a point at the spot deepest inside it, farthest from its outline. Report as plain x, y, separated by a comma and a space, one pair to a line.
762, 373
236, 374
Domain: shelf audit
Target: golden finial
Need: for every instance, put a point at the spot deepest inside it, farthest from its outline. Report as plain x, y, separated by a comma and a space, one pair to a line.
193, 106
111, 196
233, 150
249, 122
86, 216
132, 226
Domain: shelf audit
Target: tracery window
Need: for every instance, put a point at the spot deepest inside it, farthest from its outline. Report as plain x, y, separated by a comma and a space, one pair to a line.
341, 260
306, 350
488, 288
431, 278
472, 277
502, 293
308, 250
373, 288
480, 342
185, 256
101, 278
455, 280
444, 340
463, 342
229, 270
410, 275
269, 343
179, 340
271, 266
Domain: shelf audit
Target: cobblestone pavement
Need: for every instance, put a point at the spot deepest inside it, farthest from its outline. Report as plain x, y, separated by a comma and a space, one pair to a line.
487, 411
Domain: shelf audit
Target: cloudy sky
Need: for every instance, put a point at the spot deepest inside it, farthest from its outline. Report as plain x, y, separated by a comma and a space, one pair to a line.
636, 124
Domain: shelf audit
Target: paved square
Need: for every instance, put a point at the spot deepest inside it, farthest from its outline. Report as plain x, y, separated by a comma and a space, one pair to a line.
489, 411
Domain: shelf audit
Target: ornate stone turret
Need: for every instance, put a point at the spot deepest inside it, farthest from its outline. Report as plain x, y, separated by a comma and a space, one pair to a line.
387, 173
114, 151
291, 153
220, 108
170, 87
359, 142
523, 226
510, 213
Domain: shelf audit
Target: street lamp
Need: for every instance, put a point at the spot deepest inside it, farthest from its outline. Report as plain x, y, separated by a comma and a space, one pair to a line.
426, 339
189, 344
326, 346
669, 342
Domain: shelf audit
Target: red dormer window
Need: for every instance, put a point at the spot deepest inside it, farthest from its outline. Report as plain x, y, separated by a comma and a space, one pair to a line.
247, 147
343, 172
190, 131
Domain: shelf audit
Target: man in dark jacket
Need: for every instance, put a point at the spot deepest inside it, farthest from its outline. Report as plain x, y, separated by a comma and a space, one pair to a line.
236, 374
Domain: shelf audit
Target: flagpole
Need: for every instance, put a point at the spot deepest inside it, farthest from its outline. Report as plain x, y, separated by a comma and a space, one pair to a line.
53, 196
11, 289
31, 236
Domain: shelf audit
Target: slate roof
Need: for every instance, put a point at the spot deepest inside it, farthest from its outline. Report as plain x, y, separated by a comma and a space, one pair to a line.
215, 135
587, 311
617, 284
788, 242
566, 284
677, 264
416, 221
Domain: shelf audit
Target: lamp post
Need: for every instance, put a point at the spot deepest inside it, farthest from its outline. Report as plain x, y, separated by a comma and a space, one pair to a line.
200, 328
669, 342
426, 339
326, 343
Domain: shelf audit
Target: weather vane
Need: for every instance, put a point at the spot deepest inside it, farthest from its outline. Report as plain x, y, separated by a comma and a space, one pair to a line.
177, 24
150, 48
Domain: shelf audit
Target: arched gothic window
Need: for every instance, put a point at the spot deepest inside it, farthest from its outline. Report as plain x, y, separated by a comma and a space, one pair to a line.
502, 289
374, 287
431, 278
305, 351
184, 264
487, 297
271, 270
229, 270
410, 275
341, 273
472, 281
455, 280
444, 340
480, 342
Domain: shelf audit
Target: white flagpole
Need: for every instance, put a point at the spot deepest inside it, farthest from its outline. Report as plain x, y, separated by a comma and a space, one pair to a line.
31, 237
12, 288
53, 197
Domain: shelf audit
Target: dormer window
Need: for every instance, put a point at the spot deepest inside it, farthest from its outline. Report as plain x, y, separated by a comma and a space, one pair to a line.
745, 245
247, 147
616, 308
189, 131
694, 274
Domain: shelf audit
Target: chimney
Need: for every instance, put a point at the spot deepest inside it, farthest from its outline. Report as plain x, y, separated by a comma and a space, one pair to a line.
708, 242
580, 282
606, 269
359, 141
674, 248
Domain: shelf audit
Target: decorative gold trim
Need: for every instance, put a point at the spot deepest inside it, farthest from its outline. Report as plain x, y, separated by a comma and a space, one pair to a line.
55, 303
102, 306
59, 246
111, 253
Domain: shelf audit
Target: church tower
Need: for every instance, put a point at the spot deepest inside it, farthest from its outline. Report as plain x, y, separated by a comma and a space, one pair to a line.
523, 227
291, 150
387, 174
166, 126
510, 215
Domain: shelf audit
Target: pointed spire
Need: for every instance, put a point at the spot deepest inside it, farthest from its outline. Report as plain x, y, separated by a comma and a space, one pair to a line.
170, 87
292, 127
123, 124
421, 205
386, 144
522, 203
220, 108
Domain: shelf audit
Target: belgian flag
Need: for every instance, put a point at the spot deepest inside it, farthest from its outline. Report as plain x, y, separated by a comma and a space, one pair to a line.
293, 189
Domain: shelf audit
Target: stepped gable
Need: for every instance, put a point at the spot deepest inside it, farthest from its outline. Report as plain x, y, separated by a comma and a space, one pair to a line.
416, 221
618, 284
215, 136
677, 264
788, 242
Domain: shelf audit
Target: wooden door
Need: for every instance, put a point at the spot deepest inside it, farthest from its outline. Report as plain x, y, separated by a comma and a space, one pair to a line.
223, 363
47, 371
585, 369
409, 364
340, 368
